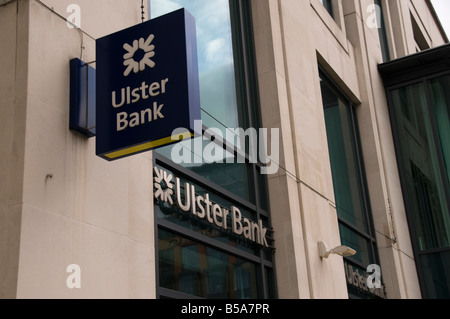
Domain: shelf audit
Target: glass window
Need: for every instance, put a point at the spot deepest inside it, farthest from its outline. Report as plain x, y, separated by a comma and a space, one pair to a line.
382, 30
352, 239
418, 93
215, 164
423, 155
352, 204
328, 5
440, 99
344, 158
419, 37
221, 94
435, 273
178, 217
195, 269
196, 258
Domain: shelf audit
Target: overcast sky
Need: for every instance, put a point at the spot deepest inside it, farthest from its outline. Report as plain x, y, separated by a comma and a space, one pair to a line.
443, 10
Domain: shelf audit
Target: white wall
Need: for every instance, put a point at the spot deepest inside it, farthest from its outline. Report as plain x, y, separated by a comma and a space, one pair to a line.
77, 208
13, 86
292, 39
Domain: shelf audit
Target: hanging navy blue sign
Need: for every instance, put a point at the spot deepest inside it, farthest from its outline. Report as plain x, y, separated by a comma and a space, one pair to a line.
147, 86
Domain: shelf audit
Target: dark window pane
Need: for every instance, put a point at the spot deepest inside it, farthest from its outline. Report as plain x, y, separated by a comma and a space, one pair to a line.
360, 244
419, 156
436, 275
440, 99
382, 30
199, 270
344, 158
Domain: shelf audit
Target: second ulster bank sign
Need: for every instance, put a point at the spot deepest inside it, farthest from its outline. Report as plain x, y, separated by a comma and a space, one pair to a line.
147, 85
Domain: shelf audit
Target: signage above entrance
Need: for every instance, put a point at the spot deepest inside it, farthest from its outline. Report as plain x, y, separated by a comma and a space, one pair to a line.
147, 85
171, 191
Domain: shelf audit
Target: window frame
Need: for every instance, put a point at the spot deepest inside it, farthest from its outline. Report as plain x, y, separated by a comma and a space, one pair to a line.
368, 235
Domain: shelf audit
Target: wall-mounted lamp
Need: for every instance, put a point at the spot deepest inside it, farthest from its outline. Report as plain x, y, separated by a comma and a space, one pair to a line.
343, 251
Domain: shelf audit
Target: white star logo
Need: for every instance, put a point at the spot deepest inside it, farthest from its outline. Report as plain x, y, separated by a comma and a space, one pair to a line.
163, 185
136, 66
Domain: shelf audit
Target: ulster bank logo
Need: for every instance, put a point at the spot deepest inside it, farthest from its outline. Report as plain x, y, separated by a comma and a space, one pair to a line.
130, 57
163, 186
172, 191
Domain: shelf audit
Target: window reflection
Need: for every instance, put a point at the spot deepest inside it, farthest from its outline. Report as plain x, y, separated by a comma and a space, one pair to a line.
440, 99
186, 265
349, 185
221, 168
344, 158
177, 216
219, 98
215, 54
425, 182
199, 270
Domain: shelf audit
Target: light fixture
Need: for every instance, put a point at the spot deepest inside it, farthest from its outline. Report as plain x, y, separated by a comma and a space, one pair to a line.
343, 251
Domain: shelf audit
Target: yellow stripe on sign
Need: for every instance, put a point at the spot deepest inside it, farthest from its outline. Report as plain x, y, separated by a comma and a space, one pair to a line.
150, 145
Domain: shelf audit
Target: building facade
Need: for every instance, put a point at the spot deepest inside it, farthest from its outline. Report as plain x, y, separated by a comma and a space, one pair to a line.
320, 86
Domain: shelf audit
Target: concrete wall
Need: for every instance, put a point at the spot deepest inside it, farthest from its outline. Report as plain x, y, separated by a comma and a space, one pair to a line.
400, 32
302, 198
387, 206
13, 101
66, 205
301, 35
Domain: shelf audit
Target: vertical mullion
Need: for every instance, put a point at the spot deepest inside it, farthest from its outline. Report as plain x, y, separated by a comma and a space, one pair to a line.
243, 35
250, 122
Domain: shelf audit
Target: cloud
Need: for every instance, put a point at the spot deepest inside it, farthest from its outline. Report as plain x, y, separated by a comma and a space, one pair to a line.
213, 28
216, 51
